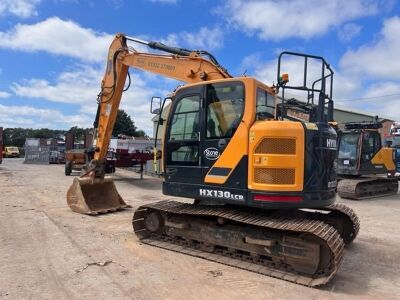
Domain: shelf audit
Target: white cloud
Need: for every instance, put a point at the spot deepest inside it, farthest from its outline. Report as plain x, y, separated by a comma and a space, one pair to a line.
81, 86
28, 116
57, 36
381, 98
374, 67
344, 86
378, 59
266, 71
348, 32
371, 70
73, 87
278, 20
67, 38
383, 88
204, 39
19, 8
4, 94
294, 66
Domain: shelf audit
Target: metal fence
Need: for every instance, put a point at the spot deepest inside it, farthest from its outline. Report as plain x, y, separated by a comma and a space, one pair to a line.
37, 154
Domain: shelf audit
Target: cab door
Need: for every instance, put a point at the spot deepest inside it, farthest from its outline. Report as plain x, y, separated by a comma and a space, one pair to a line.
182, 140
223, 112
371, 144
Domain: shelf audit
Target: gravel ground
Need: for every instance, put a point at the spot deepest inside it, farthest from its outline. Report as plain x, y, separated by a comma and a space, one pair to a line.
48, 252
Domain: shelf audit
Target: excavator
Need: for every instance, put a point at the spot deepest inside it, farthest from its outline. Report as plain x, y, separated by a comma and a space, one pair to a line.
361, 159
263, 185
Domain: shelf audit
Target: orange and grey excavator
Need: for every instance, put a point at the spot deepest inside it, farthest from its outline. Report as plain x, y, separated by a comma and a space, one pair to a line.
361, 159
263, 184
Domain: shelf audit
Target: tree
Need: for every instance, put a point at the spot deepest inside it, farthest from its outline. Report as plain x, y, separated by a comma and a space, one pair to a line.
79, 133
15, 136
43, 133
124, 124
140, 133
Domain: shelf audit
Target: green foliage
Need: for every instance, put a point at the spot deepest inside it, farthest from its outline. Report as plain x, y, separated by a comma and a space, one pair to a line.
17, 136
124, 125
140, 133
46, 133
79, 133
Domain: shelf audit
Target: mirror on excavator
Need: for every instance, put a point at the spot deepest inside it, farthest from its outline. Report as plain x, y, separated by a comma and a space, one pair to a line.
155, 105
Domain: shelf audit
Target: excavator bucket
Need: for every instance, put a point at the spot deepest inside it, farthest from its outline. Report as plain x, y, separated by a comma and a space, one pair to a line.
88, 196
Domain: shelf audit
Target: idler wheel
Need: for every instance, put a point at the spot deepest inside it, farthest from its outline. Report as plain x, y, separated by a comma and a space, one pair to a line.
154, 222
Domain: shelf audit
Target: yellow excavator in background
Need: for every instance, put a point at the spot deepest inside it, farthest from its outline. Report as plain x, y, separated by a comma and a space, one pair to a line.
361, 159
263, 183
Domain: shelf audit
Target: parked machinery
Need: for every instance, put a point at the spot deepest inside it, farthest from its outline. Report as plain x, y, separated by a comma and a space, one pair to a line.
76, 160
363, 163
264, 185
1, 145
397, 172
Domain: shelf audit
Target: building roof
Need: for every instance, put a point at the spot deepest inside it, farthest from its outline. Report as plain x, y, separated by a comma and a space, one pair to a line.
360, 112
344, 108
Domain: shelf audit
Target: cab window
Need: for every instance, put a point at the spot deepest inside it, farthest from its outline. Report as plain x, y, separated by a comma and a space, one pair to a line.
183, 145
371, 145
185, 120
265, 105
225, 104
348, 146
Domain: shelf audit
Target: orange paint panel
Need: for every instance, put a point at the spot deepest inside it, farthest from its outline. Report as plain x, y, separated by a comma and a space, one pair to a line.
385, 157
274, 171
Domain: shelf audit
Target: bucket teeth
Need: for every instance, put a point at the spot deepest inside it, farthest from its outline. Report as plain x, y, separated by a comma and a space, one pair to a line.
92, 197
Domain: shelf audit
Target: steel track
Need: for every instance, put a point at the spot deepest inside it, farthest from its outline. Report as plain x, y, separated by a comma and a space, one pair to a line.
366, 188
343, 211
326, 235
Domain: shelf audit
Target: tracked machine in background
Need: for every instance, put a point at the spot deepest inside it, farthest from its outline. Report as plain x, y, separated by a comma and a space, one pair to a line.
1, 145
263, 184
363, 163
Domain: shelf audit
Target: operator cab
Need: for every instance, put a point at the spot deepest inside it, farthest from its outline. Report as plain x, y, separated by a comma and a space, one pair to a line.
357, 147
226, 142
203, 119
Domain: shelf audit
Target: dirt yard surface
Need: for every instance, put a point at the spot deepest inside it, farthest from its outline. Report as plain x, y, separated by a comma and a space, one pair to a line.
49, 252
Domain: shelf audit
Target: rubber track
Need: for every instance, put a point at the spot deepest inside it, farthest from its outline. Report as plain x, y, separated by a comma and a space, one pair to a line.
324, 232
344, 209
347, 188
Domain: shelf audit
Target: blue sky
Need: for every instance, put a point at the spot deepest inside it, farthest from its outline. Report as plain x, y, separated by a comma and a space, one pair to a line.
52, 52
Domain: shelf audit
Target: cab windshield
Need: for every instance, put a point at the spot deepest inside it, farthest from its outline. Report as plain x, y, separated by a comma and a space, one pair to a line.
348, 146
225, 104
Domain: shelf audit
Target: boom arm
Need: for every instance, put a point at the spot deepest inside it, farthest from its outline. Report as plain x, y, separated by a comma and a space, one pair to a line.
184, 65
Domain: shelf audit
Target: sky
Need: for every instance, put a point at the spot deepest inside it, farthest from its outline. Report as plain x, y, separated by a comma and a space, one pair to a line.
53, 52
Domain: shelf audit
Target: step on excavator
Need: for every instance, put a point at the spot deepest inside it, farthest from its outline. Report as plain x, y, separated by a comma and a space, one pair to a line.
363, 163
263, 184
